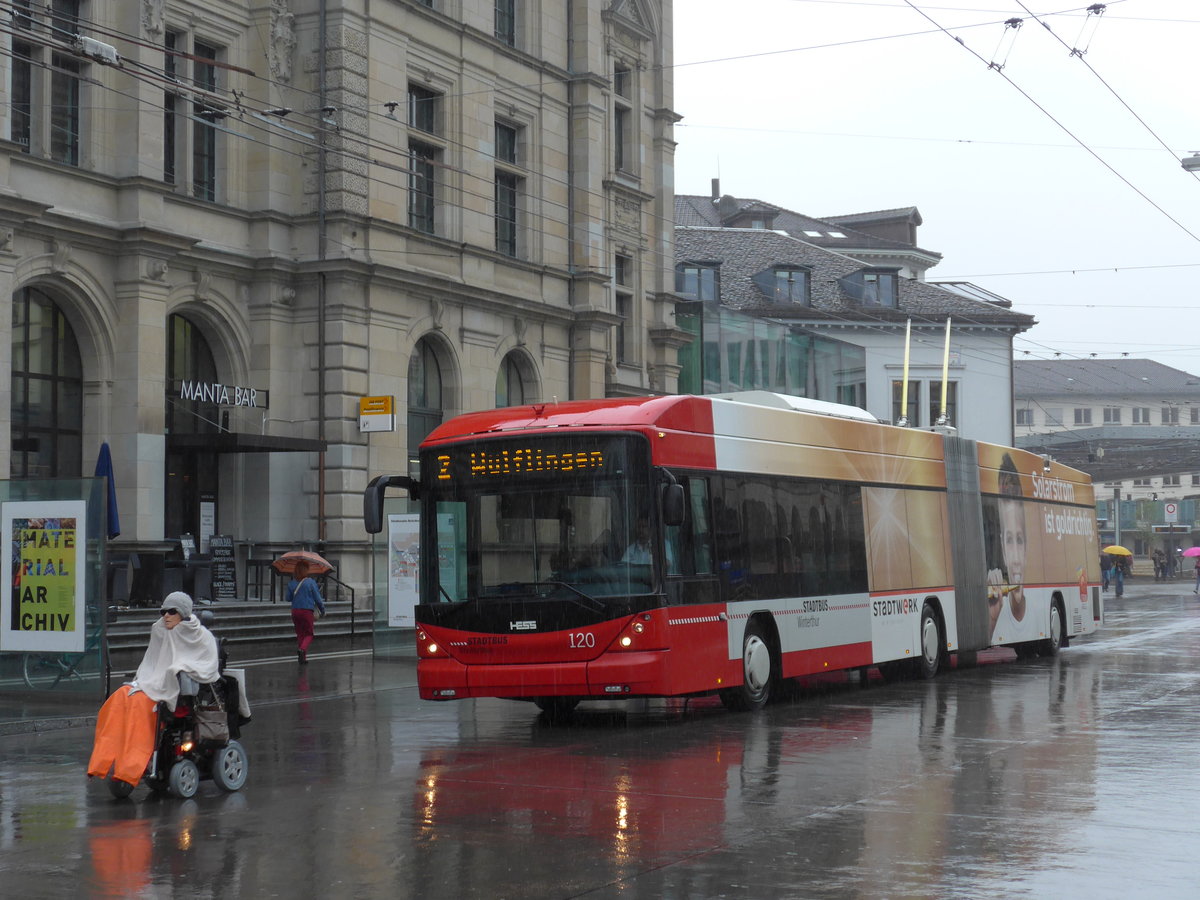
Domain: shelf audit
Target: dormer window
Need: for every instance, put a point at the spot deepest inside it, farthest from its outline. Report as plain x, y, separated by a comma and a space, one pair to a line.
791, 286
785, 284
879, 287
756, 215
696, 281
873, 287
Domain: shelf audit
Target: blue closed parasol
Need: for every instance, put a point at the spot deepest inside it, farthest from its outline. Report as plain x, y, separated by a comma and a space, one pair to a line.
104, 468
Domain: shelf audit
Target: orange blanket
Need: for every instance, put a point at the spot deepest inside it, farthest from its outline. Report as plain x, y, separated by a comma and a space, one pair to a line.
126, 729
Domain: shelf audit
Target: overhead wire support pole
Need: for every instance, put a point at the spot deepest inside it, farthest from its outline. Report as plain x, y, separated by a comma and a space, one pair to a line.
322, 47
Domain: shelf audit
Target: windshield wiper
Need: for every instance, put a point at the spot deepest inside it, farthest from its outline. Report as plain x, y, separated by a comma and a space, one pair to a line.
590, 602
540, 589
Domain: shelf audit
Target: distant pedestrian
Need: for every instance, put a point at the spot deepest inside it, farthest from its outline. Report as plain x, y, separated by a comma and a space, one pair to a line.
305, 598
1106, 565
1160, 565
1119, 576
1196, 589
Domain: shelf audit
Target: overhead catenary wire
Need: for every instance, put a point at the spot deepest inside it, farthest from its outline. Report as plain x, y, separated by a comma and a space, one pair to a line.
353, 139
236, 104
1062, 126
862, 320
485, 194
1076, 53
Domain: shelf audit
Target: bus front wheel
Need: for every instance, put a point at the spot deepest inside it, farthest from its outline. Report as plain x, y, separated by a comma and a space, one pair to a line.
758, 672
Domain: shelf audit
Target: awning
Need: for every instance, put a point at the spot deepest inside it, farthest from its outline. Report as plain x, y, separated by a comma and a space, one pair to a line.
243, 442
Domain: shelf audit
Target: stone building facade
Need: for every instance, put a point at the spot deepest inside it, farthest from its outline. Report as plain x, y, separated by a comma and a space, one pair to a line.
223, 224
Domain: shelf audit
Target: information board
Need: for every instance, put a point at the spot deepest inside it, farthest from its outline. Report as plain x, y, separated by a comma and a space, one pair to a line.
223, 572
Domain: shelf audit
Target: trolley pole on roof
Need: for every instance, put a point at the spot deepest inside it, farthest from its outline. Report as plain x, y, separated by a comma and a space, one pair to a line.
903, 420
942, 420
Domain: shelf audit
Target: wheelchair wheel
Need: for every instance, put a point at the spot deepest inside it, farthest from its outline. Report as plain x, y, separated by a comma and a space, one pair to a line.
120, 789
230, 767
184, 779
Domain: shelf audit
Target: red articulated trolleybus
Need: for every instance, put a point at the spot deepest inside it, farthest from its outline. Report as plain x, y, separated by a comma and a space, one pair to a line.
675, 546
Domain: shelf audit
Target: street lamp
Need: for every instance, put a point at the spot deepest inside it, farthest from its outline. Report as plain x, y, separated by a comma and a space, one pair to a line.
1192, 163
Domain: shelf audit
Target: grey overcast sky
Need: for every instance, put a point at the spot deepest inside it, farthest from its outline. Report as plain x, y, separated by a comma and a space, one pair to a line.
1050, 178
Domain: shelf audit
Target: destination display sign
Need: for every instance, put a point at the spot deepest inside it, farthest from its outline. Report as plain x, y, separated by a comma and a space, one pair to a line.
482, 464
479, 463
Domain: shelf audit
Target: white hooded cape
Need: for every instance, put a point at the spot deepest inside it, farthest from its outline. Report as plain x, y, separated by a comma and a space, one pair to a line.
189, 647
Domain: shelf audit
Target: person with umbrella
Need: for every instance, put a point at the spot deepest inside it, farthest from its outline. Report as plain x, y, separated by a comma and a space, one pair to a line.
1195, 553
303, 595
1120, 557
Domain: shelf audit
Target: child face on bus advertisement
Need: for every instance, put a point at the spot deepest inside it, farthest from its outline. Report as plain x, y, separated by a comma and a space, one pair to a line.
1005, 583
1012, 543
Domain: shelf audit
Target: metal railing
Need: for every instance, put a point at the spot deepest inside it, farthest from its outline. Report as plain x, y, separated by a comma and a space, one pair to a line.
260, 574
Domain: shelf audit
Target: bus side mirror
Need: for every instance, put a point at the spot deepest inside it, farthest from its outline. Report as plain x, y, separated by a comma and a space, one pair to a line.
373, 498
672, 504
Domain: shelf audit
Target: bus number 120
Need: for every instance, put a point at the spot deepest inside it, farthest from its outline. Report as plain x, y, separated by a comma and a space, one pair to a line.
581, 639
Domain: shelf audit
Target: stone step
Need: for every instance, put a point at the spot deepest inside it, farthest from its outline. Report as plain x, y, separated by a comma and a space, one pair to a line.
250, 630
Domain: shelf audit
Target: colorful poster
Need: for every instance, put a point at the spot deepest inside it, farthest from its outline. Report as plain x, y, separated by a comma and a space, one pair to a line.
42, 604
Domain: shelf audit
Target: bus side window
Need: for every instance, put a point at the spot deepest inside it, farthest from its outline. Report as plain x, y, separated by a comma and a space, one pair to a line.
758, 532
700, 525
689, 546
730, 540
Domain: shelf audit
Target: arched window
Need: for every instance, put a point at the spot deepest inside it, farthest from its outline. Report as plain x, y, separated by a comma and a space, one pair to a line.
191, 476
189, 359
424, 396
47, 390
510, 386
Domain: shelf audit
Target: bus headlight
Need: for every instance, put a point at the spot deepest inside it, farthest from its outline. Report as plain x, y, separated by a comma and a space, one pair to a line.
427, 646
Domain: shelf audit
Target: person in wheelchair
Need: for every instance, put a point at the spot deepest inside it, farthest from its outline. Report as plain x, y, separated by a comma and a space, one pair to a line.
163, 709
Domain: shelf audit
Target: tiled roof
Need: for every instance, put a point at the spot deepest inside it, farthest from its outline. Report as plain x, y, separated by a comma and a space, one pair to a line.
1104, 377
691, 209
742, 253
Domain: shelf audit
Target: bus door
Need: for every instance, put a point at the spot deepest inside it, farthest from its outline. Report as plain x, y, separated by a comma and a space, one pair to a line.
688, 548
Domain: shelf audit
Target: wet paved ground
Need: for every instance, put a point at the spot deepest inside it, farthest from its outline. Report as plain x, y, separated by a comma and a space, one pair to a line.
1066, 778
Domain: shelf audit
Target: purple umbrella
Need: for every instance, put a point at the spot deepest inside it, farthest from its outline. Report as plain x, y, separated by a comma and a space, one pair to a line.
1192, 551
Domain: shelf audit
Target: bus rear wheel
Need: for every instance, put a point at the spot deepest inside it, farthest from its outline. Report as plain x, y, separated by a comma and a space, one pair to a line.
1054, 632
758, 673
929, 656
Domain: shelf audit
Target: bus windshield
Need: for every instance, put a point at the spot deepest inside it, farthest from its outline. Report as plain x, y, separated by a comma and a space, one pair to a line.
564, 517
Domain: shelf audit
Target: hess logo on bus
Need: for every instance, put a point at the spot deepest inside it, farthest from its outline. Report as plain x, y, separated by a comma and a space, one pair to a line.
523, 625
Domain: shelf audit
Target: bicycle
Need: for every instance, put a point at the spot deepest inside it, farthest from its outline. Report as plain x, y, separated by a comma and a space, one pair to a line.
46, 671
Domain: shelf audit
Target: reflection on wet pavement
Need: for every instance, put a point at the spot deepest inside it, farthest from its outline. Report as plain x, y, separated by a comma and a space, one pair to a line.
1067, 777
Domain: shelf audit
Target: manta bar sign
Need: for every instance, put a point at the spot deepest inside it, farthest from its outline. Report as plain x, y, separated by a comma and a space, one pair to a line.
223, 394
